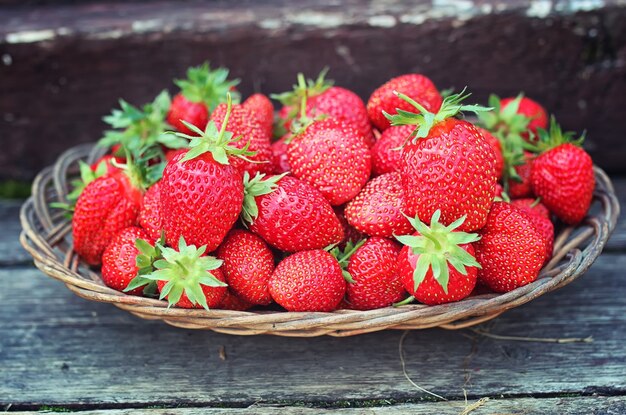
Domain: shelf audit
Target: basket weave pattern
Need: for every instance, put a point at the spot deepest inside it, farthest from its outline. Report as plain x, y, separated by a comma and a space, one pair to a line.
47, 233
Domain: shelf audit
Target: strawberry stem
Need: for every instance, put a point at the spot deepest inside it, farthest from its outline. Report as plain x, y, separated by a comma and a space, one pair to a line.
424, 120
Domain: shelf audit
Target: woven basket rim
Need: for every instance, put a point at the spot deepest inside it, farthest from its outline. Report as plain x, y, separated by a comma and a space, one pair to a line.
45, 234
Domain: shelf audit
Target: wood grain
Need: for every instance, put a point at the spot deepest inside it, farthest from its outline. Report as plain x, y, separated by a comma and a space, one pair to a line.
521, 406
57, 349
64, 67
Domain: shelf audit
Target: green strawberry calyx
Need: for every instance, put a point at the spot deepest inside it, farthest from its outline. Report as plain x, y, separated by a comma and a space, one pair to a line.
343, 257
297, 101
437, 247
185, 271
207, 85
505, 122
424, 120
148, 255
137, 128
553, 137
217, 142
253, 187
304, 87
143, 169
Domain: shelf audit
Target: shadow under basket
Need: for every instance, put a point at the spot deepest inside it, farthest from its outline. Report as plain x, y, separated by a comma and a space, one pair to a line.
47, 234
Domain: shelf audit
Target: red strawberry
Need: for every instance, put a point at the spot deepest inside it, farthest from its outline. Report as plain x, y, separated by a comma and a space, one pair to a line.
200, 93
331, 156
546, 229
377, 209
375, 281
327, 100
499, 190
248, 265
535, 113
201, 192
279, 157
511, 250
437, 264
187, 278
262, 111
308, 281
106, 206
448, 166
519, 184
150, 214
562, 175
350, 233
289, 214
243, 123
497, 149
182, 109
416, 86
387, 152
119, 261
532, 207
232, 302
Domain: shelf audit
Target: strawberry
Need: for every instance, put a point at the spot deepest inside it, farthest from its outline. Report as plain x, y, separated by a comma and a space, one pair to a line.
546, 229
518, 184
182, 109
447, 166
279, 155
562, 175
308, 281
201, 191
350, 234
331, 156
150, 214
323, 99
232, 302
513, 118
289, 214
387, 152
243, 123
511, 250
497, 149
416, 86
532, 206
119, 260
377, 209
375, 281
106, 206
437, 264
200, 93
138, 129
262, 111
248, 265
533, 111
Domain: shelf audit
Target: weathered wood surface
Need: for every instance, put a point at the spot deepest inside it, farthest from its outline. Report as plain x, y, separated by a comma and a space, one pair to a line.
520, 406
78, 59
57, 349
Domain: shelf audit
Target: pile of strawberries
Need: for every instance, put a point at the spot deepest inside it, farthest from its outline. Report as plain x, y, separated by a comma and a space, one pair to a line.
208, 201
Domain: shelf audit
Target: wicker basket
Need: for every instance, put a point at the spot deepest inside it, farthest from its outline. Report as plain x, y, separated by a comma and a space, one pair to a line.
47, 236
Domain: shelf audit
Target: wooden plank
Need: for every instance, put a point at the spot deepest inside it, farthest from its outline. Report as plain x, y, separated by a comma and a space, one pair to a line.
57, 349
11, 252
613, 405
78, 59
618, 239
